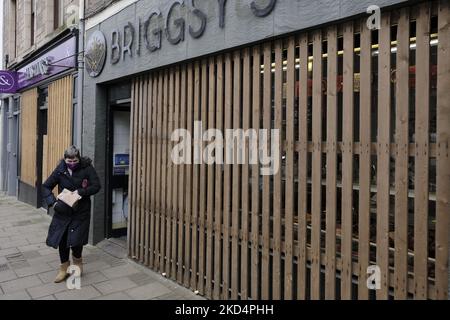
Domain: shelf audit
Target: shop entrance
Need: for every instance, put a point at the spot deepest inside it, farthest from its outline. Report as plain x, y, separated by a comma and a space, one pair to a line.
118, 169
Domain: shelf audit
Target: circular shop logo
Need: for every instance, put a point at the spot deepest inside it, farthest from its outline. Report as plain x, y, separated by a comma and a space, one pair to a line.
95, 56
7, 81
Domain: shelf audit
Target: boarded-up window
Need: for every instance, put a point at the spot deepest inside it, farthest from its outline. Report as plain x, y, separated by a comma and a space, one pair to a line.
59, 132
28, 137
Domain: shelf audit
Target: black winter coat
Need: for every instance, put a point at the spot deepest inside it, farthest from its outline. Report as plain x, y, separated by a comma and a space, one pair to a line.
77, 220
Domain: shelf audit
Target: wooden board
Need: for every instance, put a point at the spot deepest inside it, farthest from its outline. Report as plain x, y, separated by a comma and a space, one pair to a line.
236, 203
59, 123
133, 156
289, 173
141, 168
210, 186
28, 131
180, 85
365, 158
196, 182
189, 180
347, 163
158, 186
227, 181
170, 208
331, 207
383, 157
266, 209
255, 209
218, 200
443, 159
316, 165
276, 201
203, 179
177, 213
245, 182
401, 157
164, 180
421, 171
148, 174
153, 219
303, 167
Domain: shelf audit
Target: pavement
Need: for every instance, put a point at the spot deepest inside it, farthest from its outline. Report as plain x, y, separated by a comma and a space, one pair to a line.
28, 266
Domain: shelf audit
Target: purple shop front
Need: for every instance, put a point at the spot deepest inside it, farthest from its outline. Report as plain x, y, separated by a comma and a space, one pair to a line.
59, 59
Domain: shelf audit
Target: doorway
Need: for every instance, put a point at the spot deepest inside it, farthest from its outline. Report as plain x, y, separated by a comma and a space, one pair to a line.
13, 147
118, 165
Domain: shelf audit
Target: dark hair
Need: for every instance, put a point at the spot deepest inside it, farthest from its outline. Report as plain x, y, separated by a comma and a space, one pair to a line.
72, 152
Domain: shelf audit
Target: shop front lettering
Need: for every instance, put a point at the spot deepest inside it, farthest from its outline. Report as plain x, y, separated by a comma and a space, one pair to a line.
40, 68
124, 41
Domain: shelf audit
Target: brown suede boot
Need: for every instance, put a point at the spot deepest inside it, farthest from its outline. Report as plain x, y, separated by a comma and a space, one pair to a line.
62, 273
78, 263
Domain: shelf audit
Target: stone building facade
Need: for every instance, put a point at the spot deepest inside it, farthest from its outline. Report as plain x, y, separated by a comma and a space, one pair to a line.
30, 25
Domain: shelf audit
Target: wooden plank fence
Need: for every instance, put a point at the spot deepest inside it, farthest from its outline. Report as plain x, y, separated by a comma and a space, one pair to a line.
364, 175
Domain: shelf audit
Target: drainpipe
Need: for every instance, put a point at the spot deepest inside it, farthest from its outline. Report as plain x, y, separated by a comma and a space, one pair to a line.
79, 117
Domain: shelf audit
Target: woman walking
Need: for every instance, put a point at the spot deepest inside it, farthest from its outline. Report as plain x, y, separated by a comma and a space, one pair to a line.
69, 228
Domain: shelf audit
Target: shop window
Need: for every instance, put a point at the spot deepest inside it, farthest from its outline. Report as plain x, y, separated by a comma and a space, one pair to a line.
33, 21
58, 14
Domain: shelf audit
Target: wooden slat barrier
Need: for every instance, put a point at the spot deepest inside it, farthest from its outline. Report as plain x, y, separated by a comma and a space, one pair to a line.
363, 179
59, 123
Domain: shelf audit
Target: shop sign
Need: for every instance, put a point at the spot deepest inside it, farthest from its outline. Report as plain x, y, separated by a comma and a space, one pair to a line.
53, 62
125, 41
8, 82
95, 55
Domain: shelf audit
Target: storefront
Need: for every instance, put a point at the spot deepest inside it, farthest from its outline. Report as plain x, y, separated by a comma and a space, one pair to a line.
363, 185
41, 115
10, 134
